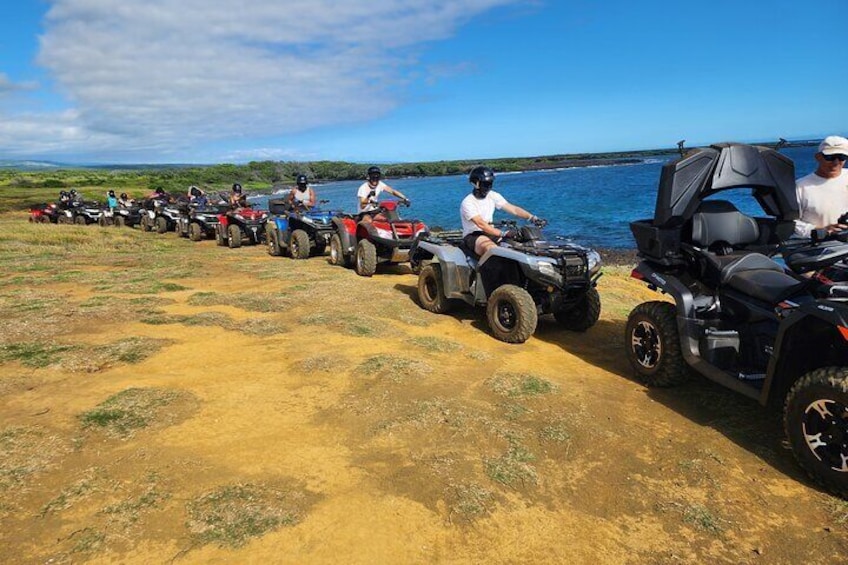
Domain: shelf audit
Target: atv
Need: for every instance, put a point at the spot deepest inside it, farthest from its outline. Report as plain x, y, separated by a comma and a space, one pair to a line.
296, 231
162, 216
385, 239
737, 316
43, 213
241, 225
79, 212
127, 216
525, 276
200, 222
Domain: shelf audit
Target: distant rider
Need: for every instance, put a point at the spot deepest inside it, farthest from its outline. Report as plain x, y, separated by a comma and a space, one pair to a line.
111, 200
237, 199
124, 201
823, 194
478, 209
302, 195
370, 190
196, 196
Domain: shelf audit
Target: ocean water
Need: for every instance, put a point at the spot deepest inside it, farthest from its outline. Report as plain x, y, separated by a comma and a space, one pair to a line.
589, 205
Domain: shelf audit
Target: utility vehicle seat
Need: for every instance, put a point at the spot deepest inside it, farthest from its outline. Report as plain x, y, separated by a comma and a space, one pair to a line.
723, 231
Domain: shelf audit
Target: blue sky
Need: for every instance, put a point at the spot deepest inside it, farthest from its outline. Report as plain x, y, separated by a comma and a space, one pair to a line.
203, 81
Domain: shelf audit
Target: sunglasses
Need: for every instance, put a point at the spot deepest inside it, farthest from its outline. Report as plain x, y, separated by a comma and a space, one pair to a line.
837, 156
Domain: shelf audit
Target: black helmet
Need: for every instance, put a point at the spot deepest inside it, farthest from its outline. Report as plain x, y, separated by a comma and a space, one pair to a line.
237, 188
73, 192
301, 182
159, 190
63, 193
111, 194
194, 191
482, 178
124, 196
374, 173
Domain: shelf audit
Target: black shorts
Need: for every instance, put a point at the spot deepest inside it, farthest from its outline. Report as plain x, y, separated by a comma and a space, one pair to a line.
470, 240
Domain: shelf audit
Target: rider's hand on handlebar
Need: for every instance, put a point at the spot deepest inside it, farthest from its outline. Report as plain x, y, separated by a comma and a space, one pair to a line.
406, 201
538, 222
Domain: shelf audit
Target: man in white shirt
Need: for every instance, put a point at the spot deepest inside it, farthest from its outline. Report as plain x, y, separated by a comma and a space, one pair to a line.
478, 209
823, 194
371, 189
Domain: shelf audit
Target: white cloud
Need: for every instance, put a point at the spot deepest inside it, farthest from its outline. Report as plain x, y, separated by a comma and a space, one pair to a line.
161, 77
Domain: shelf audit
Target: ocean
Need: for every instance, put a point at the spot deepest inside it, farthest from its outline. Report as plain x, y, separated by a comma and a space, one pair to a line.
589, 205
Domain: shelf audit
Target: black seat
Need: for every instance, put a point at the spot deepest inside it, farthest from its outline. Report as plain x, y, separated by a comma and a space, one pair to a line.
759, 277
722, 232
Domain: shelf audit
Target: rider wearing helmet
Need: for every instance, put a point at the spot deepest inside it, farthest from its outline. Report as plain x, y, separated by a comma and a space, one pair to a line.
478, 209
371, 189
302, 194
237, 197
196, 196
111, 200
73, 195
124, 201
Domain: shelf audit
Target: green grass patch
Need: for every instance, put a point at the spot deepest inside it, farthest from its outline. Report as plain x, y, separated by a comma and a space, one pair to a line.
252, 302
394, 367
513, 468
702, 518
33, 354
520, 385
122, 414
470, 501
233, 514
435, 344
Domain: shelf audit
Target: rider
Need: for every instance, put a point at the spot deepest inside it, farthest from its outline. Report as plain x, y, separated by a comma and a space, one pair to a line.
478, 209
124, 201
237, 197
371, 189
111, 200
64, 198
196, 196
823, 194
302, 195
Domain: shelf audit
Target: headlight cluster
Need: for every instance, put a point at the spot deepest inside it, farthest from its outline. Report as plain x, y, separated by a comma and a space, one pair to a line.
594, 259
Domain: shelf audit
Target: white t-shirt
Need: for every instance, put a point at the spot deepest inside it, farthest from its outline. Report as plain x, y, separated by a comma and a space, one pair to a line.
302, 197
821, 201
483, 207
365, 190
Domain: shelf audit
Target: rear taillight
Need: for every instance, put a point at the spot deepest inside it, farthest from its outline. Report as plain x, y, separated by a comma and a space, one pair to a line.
637, 275
844, 331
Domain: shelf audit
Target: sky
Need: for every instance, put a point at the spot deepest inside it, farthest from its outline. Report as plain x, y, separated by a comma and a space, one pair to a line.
212, 81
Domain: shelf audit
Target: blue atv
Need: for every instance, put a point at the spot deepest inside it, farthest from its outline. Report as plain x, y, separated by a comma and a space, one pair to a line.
296, 231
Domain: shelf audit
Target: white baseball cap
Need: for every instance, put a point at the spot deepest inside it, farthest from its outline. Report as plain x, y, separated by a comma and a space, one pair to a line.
834, 145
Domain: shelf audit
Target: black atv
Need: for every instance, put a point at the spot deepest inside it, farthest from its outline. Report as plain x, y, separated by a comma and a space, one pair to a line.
198, 222
80, 212
525, 276
738, 317
127, 216
160, 215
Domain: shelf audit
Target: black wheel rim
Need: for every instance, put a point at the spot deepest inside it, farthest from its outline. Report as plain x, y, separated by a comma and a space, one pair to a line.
646, 344
825, 427
430, 289
507, 315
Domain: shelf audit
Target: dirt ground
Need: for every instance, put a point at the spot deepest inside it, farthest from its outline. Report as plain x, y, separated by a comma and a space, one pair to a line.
169, 402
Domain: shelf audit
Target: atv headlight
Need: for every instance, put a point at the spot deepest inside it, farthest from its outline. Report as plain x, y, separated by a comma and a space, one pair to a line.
385, 234
594, 259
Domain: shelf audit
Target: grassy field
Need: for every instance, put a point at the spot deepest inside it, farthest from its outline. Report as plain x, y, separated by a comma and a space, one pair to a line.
170, 401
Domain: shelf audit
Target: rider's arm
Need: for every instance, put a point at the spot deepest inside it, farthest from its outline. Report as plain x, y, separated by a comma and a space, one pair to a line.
395, 193
485, 226
519, 212
311, 201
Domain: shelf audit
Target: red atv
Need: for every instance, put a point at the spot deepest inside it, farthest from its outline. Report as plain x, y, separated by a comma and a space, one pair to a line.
385, 239
44, 213
241, 225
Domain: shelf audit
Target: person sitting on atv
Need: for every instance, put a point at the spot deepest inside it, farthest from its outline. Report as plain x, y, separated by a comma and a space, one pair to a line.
74, 196
823, 194
370, 190
196, 196
302, 196
64, 198
237, 199
111, 200
124, 201
478, 209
